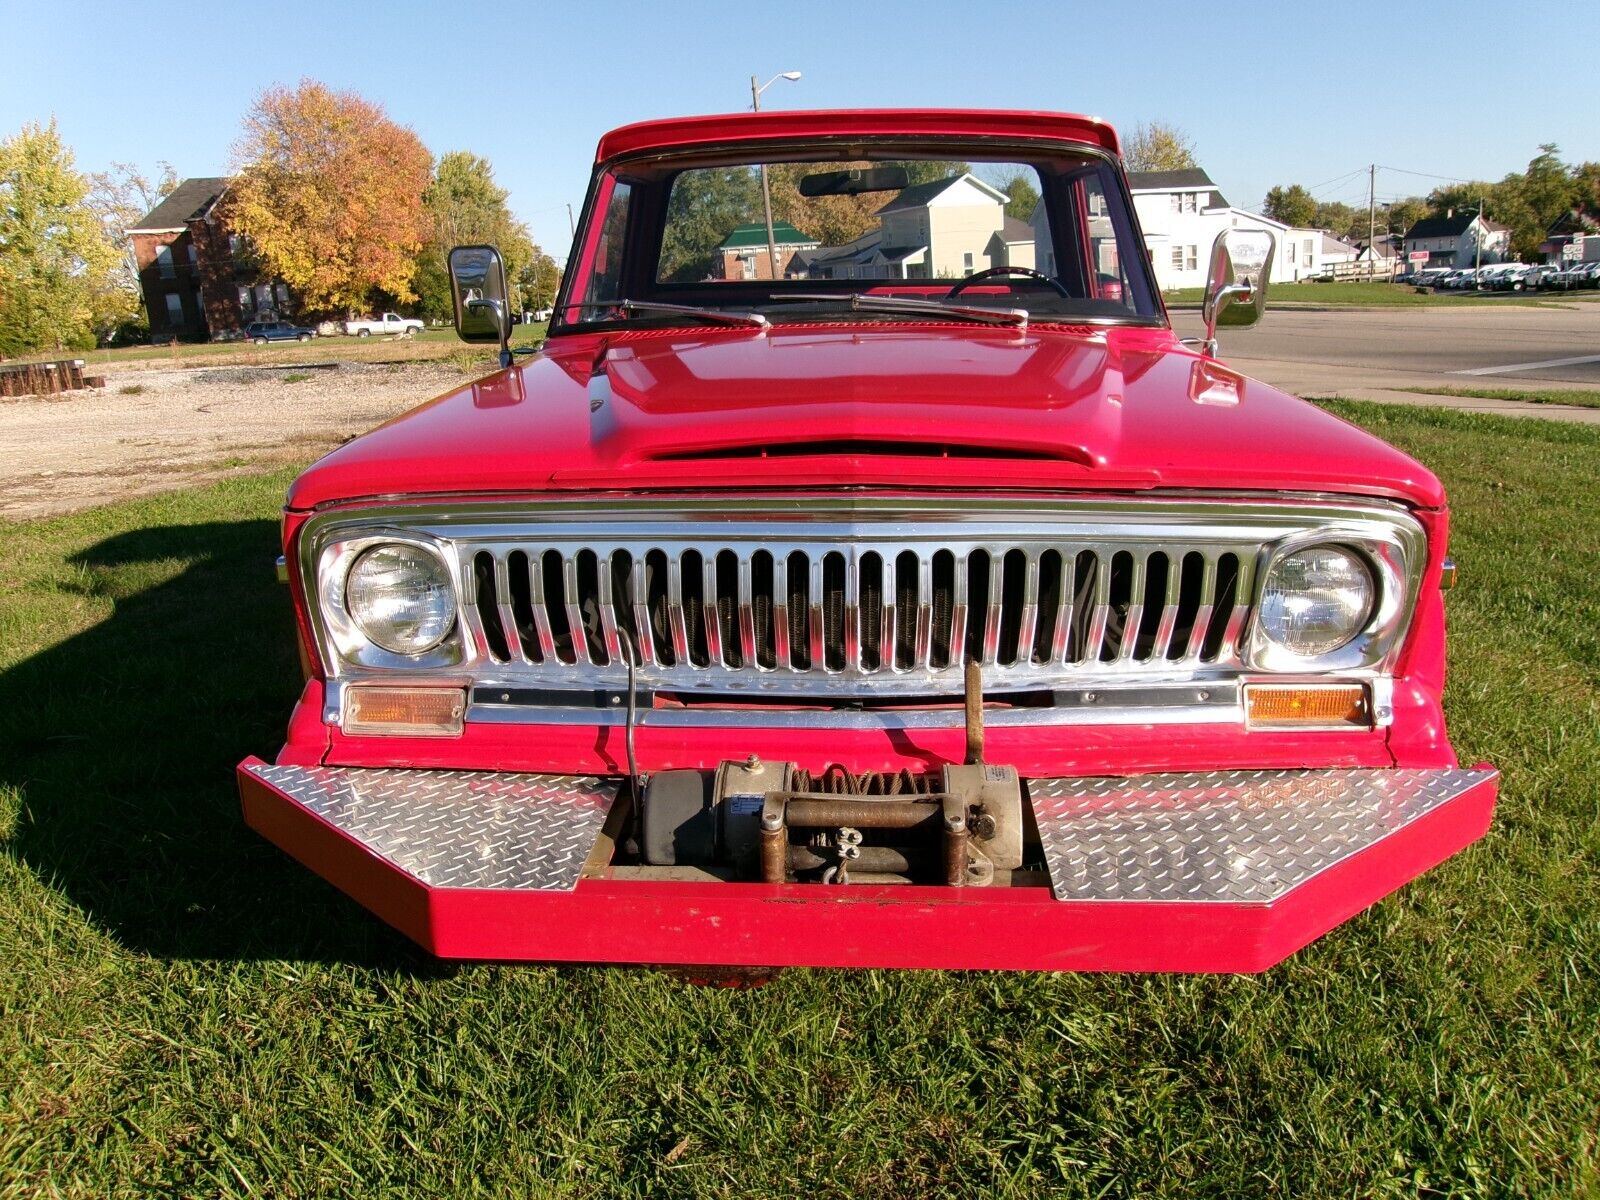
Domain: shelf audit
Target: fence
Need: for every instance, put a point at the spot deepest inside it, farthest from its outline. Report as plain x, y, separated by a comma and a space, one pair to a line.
46, 378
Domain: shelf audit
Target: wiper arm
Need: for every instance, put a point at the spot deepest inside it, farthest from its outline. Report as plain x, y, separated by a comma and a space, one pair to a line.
867, 302
711, 316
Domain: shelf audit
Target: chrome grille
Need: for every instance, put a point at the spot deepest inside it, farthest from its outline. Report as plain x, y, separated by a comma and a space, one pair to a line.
901, 616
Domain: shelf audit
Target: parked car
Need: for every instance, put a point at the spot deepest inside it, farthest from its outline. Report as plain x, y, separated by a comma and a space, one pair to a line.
1537, 277
389, 323
262, 332
1587, 275
977, 622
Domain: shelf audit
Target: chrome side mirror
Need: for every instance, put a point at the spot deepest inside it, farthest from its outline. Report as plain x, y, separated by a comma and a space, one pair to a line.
482, 304
1236, 289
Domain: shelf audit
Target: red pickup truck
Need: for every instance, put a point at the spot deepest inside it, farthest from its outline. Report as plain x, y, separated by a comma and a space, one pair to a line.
863, 573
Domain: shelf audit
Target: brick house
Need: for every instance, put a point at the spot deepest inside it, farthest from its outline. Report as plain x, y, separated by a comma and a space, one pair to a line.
743, 252
196, 281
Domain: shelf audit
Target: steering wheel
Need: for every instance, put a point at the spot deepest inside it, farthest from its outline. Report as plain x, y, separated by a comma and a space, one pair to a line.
962, 285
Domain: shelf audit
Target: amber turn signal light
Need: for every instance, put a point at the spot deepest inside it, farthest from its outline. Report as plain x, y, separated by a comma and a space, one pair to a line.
1287, 705
405, 711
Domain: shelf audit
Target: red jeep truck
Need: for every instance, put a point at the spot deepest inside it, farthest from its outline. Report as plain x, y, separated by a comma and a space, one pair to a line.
863, 573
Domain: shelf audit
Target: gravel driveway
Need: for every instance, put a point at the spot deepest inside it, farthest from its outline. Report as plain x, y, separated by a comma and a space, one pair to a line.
150, 430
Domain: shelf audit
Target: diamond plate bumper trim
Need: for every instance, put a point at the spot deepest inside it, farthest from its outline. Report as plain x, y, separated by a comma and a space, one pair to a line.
1231, 837
458, 829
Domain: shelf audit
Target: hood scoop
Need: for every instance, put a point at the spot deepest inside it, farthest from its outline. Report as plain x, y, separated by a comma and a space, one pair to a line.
874, 448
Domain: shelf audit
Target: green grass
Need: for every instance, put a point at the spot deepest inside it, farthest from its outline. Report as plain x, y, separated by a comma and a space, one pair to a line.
1584, 399
185, 1011
296, 377
431, 343
1357, 294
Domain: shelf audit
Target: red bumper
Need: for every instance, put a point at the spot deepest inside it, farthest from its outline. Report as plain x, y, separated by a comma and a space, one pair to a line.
1027, 928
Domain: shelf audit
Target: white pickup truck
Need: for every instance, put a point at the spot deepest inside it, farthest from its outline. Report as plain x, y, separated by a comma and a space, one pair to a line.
388, 323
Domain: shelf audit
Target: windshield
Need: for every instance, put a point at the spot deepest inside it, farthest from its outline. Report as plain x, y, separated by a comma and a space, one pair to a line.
824, 233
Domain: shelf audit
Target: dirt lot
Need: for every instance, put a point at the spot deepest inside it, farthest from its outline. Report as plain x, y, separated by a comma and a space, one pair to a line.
151, 430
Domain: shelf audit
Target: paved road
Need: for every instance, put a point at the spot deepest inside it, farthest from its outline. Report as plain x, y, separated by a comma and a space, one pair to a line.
1377, 355
1546, 346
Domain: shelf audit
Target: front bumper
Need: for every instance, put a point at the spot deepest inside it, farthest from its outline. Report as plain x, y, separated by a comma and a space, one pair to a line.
1223, 871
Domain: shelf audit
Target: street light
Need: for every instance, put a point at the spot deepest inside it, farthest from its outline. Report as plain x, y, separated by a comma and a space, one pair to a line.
766, 191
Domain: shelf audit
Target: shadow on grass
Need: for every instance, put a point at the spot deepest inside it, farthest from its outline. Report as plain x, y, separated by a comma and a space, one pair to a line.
122, 741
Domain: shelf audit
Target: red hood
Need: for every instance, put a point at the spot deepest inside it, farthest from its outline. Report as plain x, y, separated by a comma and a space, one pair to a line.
906, 405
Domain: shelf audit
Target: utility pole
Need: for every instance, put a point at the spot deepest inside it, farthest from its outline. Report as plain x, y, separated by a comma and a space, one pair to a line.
766, 189
1477, 240
1372, 220
572, 227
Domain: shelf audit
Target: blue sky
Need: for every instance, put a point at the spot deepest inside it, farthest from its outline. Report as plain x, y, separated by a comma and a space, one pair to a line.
1269, 93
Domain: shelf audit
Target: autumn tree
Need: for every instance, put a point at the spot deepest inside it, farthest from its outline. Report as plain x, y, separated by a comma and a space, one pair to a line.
55, 257
329, 192
464, 206
1292, 205
1156, 146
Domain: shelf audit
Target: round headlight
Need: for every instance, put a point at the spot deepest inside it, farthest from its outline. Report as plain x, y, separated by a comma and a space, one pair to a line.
1316, 600
401, 598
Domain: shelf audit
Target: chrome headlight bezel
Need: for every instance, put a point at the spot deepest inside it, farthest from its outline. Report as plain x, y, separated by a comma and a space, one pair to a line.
1393, 557
345, 637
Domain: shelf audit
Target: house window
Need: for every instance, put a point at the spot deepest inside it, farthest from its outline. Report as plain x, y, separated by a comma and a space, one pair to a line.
194, 257
1291, 246
1308, 252
283, 294
966, 262
1176, 201
747, 266
174, 309
1177, 258
1193, 263
246, 301
1190, 201
164, 262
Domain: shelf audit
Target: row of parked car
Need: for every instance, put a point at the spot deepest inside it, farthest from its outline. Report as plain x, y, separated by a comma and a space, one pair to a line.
1511, 277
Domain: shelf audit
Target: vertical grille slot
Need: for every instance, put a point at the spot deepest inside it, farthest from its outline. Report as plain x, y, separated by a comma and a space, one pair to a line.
1153, 604
584, 597
1050, 614
871, 568
905, 610
520, 589
1187, 610
727, 609
1119, 598
658, 611
833, 610
693, 606
761, 582
484, 587
1013, 568
977, 603
1222, 607
551, 579
631, 640
799, 592
944, 604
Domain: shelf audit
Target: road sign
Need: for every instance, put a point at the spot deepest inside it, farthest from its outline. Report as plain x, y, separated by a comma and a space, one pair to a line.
1572, 250
1418, 256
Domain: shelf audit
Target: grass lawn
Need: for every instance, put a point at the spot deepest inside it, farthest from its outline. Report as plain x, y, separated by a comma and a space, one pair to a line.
1358, 294
1584, 399
430, 343
185, 1011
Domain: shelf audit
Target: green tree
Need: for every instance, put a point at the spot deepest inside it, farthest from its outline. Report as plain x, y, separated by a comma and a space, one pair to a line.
705, 206
55, 257
1401, 215
539, 280
464, 206
1021, 194
1157, 146
1292, 205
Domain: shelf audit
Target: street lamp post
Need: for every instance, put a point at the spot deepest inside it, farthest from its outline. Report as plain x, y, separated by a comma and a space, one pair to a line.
766, 190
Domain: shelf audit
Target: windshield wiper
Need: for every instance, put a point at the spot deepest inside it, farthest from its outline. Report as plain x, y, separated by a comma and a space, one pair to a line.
711, 316
867, 302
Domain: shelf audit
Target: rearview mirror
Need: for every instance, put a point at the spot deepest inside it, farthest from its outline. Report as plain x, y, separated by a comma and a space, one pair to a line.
1236, 288
482, 300
854, 182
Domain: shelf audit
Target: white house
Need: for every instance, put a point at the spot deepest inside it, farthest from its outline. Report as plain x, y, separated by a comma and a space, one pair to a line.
1182, 212
1458, 239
